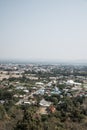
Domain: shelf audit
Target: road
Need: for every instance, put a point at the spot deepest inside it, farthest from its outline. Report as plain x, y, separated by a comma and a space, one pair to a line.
27, 97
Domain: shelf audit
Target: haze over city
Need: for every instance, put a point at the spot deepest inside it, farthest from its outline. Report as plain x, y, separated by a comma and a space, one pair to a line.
43, 30
43, 64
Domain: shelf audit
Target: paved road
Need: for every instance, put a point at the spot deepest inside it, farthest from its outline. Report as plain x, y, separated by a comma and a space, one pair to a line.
27, 96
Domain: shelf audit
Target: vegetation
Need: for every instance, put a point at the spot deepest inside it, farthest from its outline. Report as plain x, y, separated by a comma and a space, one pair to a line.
70, 111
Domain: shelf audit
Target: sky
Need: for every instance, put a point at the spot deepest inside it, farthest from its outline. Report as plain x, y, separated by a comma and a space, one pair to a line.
43, 30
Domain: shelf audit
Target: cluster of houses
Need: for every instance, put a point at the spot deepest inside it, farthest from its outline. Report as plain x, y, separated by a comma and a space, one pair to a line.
71, 89
42, 86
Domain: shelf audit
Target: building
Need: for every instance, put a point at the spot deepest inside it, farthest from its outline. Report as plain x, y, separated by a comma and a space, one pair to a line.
45, 103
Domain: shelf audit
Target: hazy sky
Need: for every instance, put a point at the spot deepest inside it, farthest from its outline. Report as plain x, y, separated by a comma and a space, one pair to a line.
43, 29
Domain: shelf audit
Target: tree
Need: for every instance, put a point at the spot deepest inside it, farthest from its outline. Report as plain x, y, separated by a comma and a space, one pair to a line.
2, 112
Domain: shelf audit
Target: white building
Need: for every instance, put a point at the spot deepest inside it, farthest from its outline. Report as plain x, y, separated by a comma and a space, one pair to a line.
71, 83
45, 103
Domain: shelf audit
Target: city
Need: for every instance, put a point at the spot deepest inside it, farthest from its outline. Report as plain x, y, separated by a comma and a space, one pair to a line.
46, 89
43, 64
